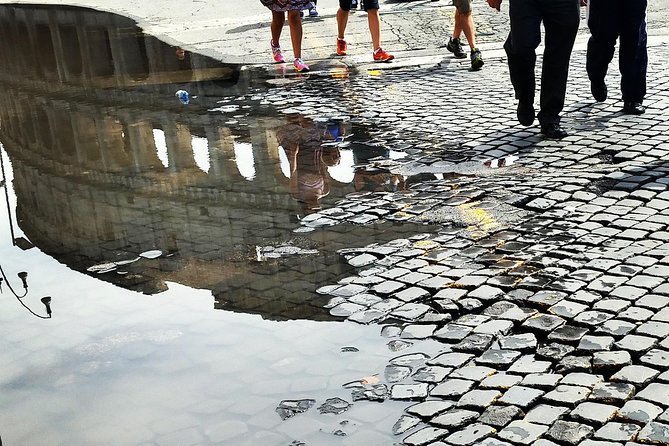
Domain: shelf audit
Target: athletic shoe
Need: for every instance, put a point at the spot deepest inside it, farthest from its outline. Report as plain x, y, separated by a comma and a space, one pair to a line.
341, 47
300, 66
381, 56
276, 53
313, 12
477, 60
455, 47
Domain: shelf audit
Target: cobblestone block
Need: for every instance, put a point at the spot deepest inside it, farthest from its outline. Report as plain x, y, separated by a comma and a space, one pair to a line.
455, 418
654, 433
545, 414
614, 393
594, 413
567, 395
471, 435
635, 374
521, 396
640, 412
500, 416
569, 432
656, 393
425, 436
429, 409
613, 431
452, 388
522, 432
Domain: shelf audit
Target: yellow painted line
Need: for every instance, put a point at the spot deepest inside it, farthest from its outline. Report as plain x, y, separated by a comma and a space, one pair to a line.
479, 219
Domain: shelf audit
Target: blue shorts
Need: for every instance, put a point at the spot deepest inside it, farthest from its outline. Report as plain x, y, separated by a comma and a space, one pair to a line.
366, 4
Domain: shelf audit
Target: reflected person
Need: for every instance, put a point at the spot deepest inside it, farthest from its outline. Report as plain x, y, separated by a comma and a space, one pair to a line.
302, 141
609, 20
561, 20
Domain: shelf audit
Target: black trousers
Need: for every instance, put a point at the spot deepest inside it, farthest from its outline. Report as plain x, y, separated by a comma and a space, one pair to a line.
609, 20
561, 19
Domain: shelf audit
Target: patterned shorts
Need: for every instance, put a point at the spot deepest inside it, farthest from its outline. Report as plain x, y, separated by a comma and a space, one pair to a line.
288, 5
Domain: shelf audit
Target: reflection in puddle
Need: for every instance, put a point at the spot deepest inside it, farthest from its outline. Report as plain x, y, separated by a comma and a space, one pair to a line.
123, 185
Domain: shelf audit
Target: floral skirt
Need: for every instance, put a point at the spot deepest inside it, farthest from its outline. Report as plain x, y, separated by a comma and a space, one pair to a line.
288, 5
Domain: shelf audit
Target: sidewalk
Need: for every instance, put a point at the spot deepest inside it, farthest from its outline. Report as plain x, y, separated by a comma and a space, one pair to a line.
409, 28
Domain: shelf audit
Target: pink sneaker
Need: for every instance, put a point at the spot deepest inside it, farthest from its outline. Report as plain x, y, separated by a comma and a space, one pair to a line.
276, 53
300, 66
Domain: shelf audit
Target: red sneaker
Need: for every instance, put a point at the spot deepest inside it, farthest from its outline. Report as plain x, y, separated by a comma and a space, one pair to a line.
341, 47
382, 56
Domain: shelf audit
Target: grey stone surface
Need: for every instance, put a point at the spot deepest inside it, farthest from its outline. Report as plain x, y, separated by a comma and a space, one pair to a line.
471, 435
522, 432
569, 432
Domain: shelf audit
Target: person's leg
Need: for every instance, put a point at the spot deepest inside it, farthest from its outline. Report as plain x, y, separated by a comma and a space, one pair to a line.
295, 22
467, 24
374, 23
278, 20
342, 17
561, 19
295, 32
520, 46
633, 51
454, 44
604, 30
457, 28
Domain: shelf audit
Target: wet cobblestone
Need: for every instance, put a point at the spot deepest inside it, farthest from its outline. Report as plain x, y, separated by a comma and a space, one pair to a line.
551, 272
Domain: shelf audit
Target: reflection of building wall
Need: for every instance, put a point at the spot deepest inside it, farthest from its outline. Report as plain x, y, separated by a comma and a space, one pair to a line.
75, 46
84, 94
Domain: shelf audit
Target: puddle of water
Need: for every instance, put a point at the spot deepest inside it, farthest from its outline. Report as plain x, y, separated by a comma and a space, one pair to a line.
139, 212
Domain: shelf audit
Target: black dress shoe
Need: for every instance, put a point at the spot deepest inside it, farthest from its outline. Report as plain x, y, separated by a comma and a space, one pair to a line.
553, 131
634, 108
525, 113
599, 90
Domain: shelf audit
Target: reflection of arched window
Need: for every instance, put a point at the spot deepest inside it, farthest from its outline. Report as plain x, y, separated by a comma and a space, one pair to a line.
43, 129
45, 51
99, 52
65, 133
161, 146
245, 160
134, 55
201, 153
24, 56
71, 50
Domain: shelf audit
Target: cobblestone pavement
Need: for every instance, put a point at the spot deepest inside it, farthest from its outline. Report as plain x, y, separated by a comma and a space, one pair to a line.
547, 285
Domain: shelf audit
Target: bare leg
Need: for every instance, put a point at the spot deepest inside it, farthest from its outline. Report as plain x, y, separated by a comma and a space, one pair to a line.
342, 21
374, 27
467, 23
295, 23
278, 20
457, 29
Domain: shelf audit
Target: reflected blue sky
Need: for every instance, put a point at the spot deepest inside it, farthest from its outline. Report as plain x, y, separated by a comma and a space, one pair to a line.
118, 367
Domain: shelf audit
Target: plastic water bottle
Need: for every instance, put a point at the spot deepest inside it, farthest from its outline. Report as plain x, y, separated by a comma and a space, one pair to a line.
184, 96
